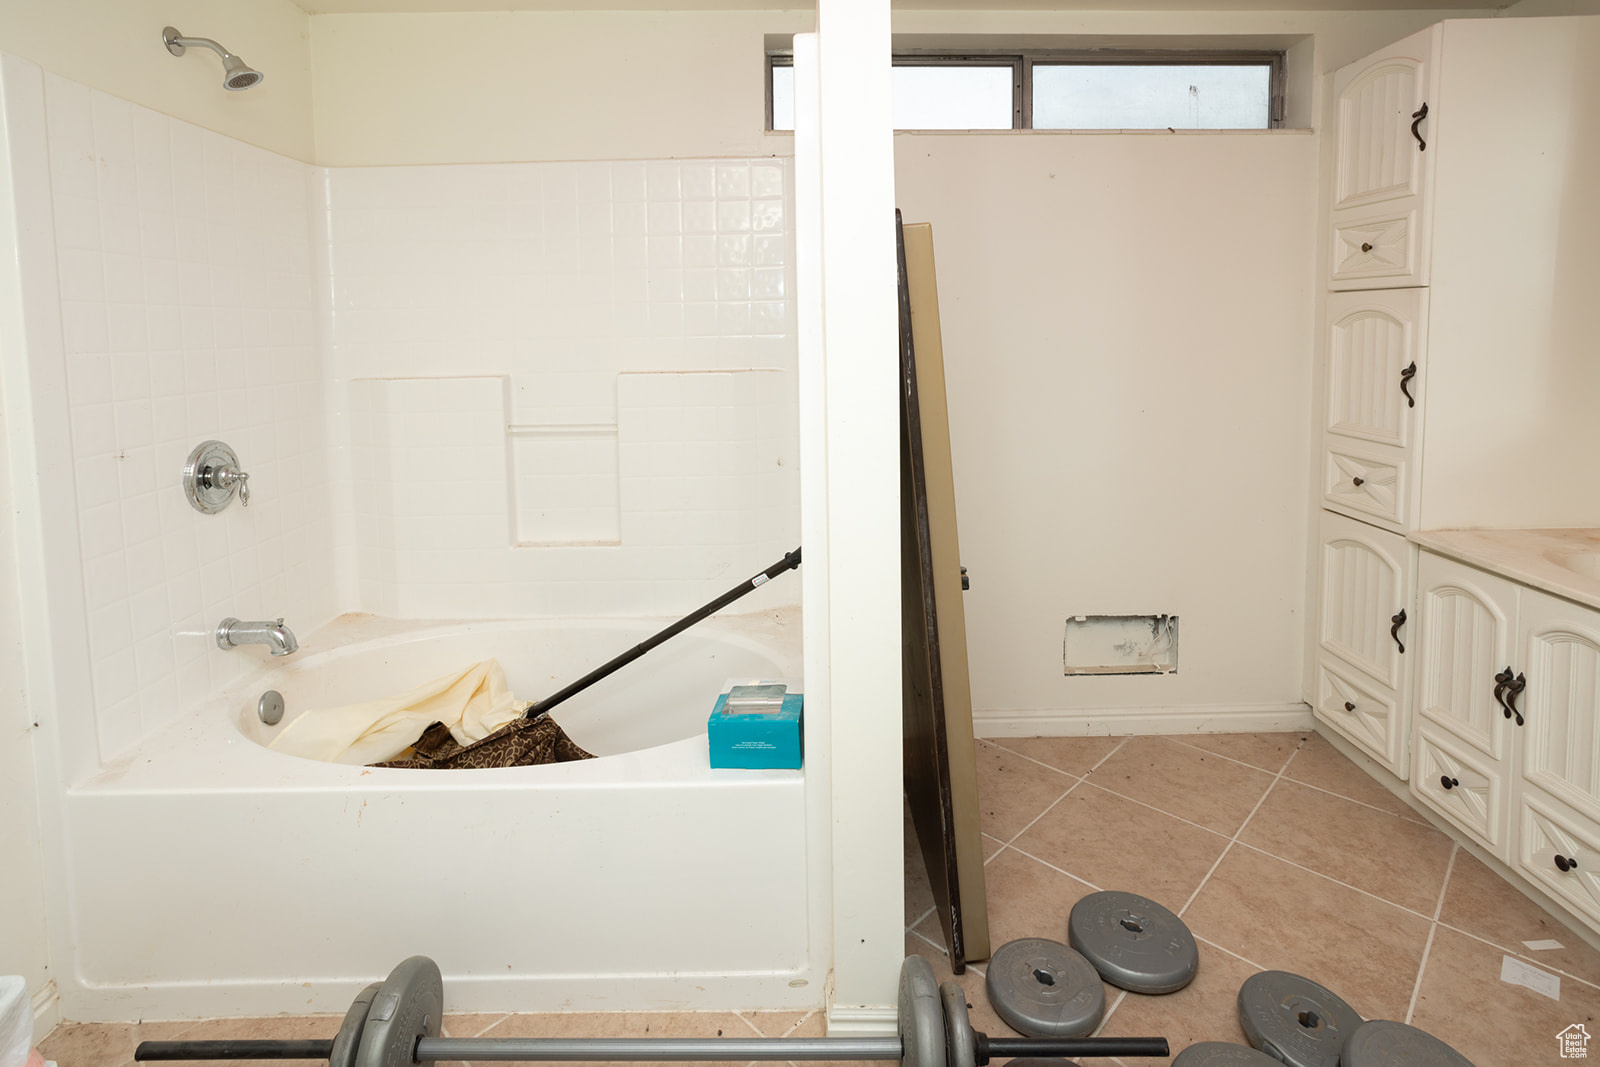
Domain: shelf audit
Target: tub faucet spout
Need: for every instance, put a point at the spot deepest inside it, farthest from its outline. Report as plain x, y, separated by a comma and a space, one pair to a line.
279, 639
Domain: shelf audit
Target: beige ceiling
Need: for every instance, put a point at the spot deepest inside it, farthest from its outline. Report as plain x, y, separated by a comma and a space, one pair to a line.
326, 7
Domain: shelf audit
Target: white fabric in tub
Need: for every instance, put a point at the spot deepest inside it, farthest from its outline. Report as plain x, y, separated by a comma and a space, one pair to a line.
473, 703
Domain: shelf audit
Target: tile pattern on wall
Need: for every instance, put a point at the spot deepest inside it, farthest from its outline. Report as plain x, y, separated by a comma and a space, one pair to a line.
584, 286
185, 279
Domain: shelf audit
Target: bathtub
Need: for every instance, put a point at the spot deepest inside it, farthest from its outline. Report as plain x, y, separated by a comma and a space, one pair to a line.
213, 876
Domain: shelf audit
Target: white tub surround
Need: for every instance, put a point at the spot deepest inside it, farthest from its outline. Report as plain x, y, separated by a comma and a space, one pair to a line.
208, 865
511, 390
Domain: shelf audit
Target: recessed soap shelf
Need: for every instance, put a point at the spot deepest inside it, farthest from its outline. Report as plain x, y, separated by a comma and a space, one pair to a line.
212, 477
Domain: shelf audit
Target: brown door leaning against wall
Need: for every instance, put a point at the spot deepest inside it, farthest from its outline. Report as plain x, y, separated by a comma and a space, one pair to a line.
940, 768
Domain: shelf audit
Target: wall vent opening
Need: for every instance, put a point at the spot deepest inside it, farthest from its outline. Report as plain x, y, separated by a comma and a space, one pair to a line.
1121, 644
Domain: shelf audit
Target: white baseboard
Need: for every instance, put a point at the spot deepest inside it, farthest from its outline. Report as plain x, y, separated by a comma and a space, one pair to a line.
1117, 722
46, 1010
863, 1022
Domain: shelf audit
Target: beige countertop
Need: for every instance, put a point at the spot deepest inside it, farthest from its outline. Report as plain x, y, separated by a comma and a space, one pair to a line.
1563, 562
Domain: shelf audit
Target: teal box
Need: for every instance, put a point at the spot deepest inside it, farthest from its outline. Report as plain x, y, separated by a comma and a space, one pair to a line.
769, 739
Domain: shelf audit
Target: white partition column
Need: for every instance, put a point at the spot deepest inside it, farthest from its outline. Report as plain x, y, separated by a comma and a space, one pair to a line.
860, 346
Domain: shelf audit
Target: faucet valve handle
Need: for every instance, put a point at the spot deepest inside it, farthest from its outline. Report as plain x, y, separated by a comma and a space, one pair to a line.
212, 477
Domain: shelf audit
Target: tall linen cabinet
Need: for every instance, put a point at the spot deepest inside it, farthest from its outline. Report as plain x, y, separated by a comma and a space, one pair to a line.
1461, 215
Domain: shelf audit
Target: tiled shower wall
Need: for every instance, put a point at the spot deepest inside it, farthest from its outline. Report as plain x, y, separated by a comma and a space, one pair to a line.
556, 388
185, 282
570, 386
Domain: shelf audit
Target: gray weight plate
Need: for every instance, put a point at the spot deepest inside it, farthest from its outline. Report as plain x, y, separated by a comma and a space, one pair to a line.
921, 1017
960, 1046
1381, 1043
347, 1042
1295, 1020
1134, 942
1042, 988
409, 1005
1222, 1054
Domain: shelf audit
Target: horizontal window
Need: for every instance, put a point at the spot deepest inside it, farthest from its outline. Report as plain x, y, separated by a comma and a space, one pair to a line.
1063, 91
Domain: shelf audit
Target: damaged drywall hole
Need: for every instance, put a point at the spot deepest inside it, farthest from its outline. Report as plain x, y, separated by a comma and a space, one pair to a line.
1121, 644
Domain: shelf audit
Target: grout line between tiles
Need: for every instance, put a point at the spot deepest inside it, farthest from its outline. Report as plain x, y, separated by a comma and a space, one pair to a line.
1433, 930
1122, 994
1422, 967
920, 919
1335, 881
1230, 952
753, 1027
1262, 799
1058, 870
1109, 753
1506, 949
1240, 762
1361, 803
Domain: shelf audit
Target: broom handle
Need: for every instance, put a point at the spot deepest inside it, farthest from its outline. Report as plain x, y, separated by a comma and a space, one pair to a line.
790, 561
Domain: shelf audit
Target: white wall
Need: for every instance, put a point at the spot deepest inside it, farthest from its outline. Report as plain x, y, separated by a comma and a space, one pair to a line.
1127, 337
115, 46
541, 85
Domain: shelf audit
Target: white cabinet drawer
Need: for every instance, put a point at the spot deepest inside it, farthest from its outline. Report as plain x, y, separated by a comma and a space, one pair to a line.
1559, 851
1368, 715
1463, 786
1373, 250
1373, 481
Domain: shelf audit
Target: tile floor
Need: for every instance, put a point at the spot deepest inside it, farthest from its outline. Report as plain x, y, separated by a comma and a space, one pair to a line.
1277, 851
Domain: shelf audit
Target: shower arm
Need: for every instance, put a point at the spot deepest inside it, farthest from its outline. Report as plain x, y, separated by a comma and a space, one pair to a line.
177, 44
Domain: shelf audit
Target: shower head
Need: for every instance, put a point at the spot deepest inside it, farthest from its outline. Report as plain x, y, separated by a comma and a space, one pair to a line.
235, 74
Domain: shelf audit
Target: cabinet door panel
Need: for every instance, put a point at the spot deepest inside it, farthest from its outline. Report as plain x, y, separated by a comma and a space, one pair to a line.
1561, 661
1377, 156
1375, 365
1463, 786
1547, 830
1466, 617
1365, 582
1366, 714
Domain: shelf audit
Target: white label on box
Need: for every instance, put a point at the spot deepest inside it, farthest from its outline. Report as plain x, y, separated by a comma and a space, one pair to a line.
1515, 972
1547, 945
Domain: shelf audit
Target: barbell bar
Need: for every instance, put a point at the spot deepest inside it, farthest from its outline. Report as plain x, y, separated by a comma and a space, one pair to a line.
396, 1024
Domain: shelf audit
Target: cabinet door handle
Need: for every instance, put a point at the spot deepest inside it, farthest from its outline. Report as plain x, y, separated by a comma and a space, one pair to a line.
1416, 120
1358, 481
1513, 688
1502, 680
1563, 864
1405, 383
1448, 782
1349, 706
1394, 631
1366, 246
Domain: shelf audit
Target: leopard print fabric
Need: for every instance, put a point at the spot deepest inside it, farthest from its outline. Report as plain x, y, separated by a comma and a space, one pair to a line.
522, 742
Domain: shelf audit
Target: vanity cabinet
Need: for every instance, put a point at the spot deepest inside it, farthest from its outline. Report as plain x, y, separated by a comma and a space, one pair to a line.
1363, 624
1506, 744
1458, 384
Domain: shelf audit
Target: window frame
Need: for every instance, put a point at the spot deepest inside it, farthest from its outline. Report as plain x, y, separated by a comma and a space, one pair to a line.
1023, 61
